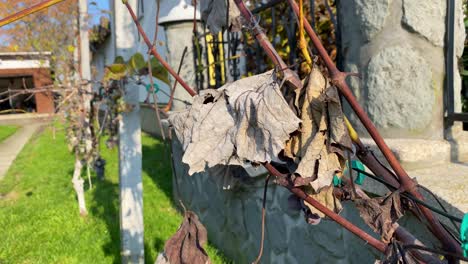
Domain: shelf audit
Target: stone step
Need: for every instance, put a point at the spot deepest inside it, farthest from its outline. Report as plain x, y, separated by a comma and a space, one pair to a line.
414, 153
448, 181
430, 163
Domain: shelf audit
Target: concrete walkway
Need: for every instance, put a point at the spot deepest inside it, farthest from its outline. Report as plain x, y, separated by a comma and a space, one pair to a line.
12, 146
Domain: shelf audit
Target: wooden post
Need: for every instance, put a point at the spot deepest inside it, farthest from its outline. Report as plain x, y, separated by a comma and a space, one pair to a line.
131, 186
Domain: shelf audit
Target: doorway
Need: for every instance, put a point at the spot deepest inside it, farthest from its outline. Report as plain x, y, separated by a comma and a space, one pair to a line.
12, 102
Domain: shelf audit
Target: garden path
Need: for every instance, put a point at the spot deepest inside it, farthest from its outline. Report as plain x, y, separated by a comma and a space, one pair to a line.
12, 146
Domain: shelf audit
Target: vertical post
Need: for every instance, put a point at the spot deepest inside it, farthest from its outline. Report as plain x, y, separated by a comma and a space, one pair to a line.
131, 186
85, 66
85, 73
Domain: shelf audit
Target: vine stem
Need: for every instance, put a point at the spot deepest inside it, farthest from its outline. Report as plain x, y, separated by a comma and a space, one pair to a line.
262, 240
30, 10
156, 54
379, 245
288, 75
155, 102
171, 97
407, 184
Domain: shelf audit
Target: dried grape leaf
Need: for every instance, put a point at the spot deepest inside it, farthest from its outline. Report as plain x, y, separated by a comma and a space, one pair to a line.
186, 245
263, 119
205, 131
381, 214
162, 259
244, 121
325, 197
213, 13
339, 136
318, 148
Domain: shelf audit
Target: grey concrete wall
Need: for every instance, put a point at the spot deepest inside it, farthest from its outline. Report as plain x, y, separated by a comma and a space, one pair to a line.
233, 220
149, 123
398, 47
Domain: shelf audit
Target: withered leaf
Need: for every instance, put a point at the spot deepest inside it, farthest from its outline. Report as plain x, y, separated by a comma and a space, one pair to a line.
186, 245
325, 197
205, 131
318, 149
381, 214
263, 118
162, 259
247, 120
213, 13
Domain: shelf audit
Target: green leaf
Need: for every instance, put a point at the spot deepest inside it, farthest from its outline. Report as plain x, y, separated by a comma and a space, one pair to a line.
159, 71
115, 72
137, 62
119, 60
117, 68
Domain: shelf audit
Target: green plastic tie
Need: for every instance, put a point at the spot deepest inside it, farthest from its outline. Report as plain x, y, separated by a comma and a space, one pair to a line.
356, 164
464, 235
156, 88
336, 181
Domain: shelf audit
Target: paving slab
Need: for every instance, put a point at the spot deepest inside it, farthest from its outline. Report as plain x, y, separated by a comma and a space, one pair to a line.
449, 182
12, 146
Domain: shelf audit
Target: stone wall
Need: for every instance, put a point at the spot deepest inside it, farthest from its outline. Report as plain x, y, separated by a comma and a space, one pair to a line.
398, 47
233, 220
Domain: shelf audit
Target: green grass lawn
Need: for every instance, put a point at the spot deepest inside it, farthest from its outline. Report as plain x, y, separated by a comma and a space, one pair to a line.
39, 218
6, 131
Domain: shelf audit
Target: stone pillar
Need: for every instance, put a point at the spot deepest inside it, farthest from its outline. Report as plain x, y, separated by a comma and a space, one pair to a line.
178, 36
398, 47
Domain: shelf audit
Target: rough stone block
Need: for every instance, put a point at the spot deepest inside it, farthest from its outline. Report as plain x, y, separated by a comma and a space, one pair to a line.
427, 18
371, 15
400, 90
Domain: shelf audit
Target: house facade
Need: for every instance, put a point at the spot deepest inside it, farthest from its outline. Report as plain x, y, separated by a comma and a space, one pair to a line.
25, 70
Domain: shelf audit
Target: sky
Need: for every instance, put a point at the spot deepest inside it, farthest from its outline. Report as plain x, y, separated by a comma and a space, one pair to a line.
96, 7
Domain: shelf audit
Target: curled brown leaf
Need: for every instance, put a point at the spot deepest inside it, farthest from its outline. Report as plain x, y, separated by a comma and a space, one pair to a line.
381, 214
186, 245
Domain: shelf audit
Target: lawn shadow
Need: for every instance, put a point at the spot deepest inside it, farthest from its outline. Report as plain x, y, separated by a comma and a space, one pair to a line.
159, 243
105, 206
157, 164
